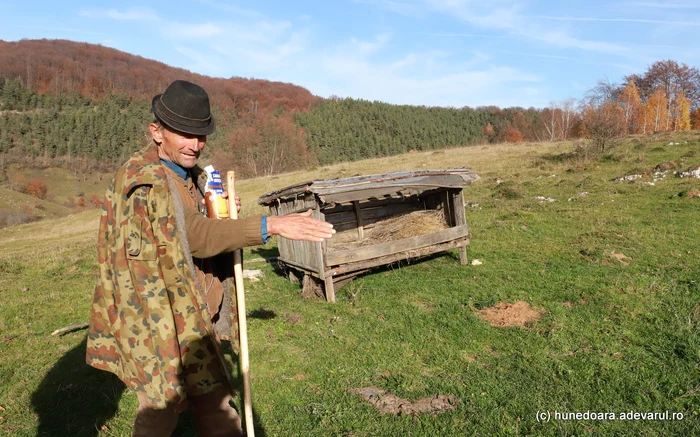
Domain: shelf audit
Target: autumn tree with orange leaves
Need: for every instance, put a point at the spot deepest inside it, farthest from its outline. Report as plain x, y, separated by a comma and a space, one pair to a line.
680, 113
265, 145
657, 111
631, 103
36, 188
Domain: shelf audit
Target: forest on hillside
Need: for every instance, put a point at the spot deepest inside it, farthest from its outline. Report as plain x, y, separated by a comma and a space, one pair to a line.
85, 106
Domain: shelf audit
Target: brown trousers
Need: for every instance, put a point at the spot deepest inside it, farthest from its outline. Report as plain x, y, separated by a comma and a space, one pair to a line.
212, 413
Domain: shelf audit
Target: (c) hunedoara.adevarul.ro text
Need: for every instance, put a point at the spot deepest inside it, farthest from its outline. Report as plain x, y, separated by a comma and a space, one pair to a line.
546, 416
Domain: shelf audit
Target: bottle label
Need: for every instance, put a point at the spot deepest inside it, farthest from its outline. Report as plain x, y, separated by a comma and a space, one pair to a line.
216, 204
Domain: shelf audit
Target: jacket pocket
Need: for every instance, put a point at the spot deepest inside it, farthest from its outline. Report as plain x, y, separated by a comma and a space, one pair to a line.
140, 244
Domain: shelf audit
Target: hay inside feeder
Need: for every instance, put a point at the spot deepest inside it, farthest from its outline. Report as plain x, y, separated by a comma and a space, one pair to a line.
391, 229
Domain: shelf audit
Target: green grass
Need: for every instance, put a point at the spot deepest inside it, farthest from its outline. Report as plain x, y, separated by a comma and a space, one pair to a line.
15, 201
613, 337
63, 186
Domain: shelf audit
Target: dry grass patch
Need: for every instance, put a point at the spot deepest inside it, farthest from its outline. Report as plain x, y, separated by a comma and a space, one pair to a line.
394, 228
510, 314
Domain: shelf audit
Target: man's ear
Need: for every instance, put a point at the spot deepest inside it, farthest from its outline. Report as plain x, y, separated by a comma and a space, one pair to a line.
156, 132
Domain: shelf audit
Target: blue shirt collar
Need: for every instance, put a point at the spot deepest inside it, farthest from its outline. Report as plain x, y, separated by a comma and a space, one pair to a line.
181, 171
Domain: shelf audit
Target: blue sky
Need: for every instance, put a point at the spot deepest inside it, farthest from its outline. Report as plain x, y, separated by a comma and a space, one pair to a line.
420, 52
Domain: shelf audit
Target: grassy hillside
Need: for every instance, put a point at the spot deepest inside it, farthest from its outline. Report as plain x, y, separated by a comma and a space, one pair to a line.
63, 186
609, 270
14, 200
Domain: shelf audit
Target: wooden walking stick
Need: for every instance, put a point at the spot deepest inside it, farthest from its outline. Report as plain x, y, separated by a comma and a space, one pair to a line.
242, 326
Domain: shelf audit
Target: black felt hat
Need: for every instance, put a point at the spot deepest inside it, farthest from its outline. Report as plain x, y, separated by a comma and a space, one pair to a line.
184, 107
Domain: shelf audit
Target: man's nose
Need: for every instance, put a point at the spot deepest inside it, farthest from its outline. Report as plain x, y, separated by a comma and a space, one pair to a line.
198, 143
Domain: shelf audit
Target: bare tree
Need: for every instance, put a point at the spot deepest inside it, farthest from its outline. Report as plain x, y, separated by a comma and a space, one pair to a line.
550, 121
603, 124
603, 92
567, 114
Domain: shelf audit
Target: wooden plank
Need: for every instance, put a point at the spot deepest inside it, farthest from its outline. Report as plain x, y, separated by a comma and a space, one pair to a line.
329, 288
337, 285
436, 179
320, 255
294, 263
458, 202
362, 266
373, 214
307, 253
346, 276
460, 220
369, 203
315, 249
433, 199
391, 247
291, 190
376, 193
458, 177
358, 217
449, 209
296, 204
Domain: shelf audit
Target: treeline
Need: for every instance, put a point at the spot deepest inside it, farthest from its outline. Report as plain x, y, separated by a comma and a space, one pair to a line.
75, 131
666, 97
38, 129
350, 129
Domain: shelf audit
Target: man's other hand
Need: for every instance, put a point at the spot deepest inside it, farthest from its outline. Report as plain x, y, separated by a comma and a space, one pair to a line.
237, 198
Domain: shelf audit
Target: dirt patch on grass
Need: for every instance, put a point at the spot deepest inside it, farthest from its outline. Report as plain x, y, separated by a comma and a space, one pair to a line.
388, 403
292, 319
621, 257
510, 314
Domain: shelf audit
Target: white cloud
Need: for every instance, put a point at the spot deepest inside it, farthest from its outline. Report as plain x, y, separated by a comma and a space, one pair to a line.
539, 55
203, 62
665, 5
429, 78
191, 31
619, 20
506, 15
365, 48
132, 14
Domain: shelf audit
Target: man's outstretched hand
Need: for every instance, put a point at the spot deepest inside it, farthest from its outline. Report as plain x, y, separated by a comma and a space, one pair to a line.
299, 226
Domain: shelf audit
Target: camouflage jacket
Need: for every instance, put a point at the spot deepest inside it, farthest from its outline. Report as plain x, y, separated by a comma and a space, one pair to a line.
149, 322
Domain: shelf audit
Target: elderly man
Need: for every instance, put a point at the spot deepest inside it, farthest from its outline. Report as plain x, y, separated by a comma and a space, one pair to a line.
164, 270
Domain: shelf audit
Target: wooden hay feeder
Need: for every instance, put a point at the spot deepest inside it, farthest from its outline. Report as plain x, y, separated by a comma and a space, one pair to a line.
379, 219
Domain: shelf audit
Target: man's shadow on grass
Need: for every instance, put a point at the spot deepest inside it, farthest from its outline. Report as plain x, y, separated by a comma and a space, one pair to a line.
76, 400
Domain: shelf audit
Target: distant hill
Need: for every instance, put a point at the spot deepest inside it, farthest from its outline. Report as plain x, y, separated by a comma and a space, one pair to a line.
85, 107
61, 66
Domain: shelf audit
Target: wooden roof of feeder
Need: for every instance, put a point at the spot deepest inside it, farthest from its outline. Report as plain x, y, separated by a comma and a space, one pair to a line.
374, 186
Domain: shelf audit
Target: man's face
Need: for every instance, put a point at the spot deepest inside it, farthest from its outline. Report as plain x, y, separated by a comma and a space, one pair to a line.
181, 148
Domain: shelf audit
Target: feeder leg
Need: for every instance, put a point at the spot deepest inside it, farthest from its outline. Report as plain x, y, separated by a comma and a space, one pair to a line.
463, 256
330, 289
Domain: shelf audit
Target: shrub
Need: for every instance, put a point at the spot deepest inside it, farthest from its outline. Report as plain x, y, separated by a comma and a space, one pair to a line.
11, 218
95, 201
36, 188
513, 135
603, 125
